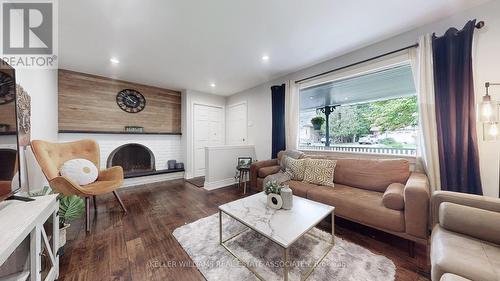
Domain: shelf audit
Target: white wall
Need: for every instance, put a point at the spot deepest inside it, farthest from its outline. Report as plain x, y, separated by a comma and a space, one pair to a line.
487, 62
190, 97
41, 85
221, 164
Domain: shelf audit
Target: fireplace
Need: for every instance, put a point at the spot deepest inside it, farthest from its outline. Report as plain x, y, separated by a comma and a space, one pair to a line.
135, 159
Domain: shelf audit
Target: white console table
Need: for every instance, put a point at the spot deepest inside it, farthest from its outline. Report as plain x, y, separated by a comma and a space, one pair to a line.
25, 220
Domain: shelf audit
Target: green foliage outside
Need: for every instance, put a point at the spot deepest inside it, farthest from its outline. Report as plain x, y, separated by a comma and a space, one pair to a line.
391, 143
349, 123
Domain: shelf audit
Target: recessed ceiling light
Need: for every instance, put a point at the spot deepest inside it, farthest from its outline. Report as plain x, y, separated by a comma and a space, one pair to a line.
114, 60
346, 98
265, 57
212, 85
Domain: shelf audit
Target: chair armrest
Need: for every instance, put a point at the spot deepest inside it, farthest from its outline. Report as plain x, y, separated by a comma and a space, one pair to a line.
113, 173
65, 186
254, 170
474, 222
417, 197
476, 201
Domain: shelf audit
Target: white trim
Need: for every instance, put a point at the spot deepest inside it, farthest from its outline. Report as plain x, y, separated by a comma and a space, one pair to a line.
219, 184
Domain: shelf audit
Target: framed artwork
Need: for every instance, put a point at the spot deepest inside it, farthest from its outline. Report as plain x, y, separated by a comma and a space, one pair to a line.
244, 161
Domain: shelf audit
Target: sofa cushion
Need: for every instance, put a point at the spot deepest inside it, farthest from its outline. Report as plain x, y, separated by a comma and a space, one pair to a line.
300, 188
463, 255
393, 197
295, 167
266, 171
363, 206
475, 222
371, 174
320, 171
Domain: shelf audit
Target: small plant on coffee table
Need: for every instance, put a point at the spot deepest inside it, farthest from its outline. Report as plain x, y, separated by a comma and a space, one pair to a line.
272, 187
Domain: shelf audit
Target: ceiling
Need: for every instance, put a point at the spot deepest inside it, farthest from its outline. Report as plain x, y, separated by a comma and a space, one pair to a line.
187, 44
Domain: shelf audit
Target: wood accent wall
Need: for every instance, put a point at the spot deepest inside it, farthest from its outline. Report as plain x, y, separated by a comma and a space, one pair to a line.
87, 103
8, 115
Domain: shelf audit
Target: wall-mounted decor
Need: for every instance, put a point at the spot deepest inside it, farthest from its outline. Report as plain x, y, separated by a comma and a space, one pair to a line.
23, 115
131, 101
95, 104
7, 86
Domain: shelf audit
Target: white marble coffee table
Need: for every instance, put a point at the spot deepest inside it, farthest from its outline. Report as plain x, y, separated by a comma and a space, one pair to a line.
283, 227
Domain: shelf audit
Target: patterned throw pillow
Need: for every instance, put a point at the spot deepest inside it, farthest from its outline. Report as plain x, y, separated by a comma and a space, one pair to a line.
320, 171
295, 167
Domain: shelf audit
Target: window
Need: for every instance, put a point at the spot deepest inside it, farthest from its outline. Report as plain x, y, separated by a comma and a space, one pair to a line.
370, 112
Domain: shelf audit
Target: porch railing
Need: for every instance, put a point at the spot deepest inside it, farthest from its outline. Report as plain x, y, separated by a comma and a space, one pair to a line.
363, 149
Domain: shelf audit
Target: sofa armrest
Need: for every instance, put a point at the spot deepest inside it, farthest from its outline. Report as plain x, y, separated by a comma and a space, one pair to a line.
476, 201
417, 197
254, 170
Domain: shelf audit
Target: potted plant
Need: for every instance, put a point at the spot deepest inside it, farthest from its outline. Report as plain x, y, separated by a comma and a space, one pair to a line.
71, 208
273, 190
317, 122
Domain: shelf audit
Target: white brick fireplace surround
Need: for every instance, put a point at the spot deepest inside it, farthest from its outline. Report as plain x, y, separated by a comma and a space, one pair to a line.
164, 148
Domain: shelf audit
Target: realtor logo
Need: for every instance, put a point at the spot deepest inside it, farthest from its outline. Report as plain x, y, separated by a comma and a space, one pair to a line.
27, 28
29, 34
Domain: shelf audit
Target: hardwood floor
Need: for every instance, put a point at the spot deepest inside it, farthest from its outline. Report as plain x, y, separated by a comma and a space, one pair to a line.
140, 245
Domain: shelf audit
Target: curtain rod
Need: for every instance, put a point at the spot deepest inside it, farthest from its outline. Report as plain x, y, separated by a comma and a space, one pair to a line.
479, 25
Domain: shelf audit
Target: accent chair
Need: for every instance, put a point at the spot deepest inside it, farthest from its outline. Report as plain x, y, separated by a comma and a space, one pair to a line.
51, 156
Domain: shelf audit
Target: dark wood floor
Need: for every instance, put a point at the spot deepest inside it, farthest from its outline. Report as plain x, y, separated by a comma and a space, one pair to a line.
129, 247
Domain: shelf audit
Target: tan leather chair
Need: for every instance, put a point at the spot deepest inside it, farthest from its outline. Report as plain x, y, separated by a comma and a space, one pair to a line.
51, 156
466, 236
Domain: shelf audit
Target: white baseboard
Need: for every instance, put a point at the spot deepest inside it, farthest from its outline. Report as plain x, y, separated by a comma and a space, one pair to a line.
219, 184
152, 179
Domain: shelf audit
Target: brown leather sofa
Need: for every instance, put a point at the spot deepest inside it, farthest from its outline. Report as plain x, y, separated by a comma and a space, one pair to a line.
357, 195
465, 239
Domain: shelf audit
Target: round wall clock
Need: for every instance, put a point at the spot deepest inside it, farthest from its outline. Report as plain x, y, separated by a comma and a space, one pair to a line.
7, 88
130, 100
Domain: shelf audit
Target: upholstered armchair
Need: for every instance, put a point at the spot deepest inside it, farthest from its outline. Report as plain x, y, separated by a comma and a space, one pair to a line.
51, 156
466, 237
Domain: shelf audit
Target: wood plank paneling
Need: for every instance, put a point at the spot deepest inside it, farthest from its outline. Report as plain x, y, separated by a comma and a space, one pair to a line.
88, 103
8, 115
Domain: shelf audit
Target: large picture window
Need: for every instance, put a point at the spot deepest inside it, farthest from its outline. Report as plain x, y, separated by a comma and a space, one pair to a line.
372, 112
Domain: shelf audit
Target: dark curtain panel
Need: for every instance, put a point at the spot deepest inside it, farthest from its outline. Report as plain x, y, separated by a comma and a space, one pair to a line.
278, 105
455, 110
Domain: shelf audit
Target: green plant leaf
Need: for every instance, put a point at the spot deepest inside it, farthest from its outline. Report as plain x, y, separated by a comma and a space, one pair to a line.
71, 208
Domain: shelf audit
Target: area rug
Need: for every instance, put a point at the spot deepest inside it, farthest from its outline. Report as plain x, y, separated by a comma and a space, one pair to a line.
198, 181
346, 261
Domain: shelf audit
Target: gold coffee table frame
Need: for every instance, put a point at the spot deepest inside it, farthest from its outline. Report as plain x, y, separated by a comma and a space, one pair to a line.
286, 257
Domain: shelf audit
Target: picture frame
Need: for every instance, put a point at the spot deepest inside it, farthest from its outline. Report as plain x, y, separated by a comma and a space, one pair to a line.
244, 162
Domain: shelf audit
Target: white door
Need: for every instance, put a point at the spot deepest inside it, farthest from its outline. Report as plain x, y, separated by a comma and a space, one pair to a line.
237, 124
208, 130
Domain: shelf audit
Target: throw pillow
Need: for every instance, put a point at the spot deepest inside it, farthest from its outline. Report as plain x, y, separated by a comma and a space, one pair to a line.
320, 171
394, 197
81, 171
295, 167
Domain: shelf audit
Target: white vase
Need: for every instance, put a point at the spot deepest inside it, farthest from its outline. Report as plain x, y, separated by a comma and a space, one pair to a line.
287, 197
62, 235
274, 201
